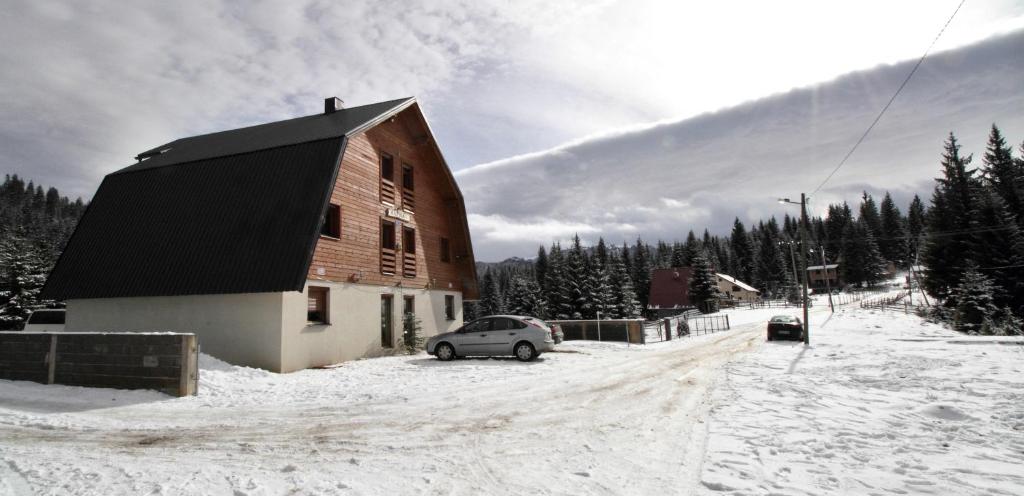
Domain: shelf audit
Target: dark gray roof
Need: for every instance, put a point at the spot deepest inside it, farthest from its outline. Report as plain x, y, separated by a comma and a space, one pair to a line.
288, 132
231, 212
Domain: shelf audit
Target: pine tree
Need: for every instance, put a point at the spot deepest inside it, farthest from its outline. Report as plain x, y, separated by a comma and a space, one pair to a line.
862, 261
693, 248
22, 275
491, 302
703, 284
626, 305
772, 275
601, 254
524, 298
540, 268
600, 296
1004, 174
679, 258
555, 295
892, 238
743, 253
916, 218
412, 333
948, 247
974, 302
869, 214
998, 245
835, 227
574, 285
642, 273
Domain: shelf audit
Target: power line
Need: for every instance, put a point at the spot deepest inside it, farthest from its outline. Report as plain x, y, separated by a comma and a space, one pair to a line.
886, 107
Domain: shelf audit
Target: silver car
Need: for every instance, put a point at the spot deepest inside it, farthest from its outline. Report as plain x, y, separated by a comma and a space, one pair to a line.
522, 337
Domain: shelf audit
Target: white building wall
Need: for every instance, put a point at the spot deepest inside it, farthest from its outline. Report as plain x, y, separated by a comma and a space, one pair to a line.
354, 329
243, 329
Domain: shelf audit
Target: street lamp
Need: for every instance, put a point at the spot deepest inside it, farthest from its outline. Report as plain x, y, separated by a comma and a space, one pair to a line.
803, 258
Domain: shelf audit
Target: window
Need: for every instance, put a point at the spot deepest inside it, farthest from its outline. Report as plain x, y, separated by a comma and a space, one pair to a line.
449, 307
407, 177
409, 240
387, 232
408, 197
409, 249
316, 307
410, 305
387, 167
332, 222
735, 289
446, 251
387, 179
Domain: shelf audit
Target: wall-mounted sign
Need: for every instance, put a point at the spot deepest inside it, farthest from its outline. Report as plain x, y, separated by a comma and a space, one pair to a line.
399, 214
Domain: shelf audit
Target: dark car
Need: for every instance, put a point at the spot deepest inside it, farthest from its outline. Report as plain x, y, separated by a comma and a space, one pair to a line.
785, 327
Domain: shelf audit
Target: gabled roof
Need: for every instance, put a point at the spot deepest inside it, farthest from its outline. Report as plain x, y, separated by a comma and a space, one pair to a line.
231, 212
670, 288
738, 282
345, 122
819, 267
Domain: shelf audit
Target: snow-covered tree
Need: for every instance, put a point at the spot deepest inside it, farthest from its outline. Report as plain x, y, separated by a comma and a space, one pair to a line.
412, 333
945, 252
974, 302
491, 302
625, 305
892, 240
574, 284
22, 275
524, 298
703, 284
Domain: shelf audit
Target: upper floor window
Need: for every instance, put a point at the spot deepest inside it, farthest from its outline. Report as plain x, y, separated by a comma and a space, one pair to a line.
446, 250
408, 180
387, 230
387, 167
332, 222
387, 179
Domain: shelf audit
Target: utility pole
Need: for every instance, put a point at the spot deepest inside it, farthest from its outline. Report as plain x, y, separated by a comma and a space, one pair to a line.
828, 285
803, 262
803, 259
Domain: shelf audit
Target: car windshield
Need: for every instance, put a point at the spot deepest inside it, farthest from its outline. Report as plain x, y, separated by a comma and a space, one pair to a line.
784, 318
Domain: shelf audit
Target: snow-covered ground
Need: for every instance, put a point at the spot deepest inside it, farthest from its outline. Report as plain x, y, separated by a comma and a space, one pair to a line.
881, 403
864, 407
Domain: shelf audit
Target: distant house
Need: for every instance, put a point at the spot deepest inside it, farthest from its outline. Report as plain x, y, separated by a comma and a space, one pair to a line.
283, 246
819, 277
736, 289
670, 292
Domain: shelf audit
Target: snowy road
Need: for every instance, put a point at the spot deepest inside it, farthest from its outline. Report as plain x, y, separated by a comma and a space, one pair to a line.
593, 419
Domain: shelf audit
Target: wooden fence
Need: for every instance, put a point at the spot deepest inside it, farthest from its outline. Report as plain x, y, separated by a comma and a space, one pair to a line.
166, 362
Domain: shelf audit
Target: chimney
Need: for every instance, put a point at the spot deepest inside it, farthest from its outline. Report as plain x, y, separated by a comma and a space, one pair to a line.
333, 104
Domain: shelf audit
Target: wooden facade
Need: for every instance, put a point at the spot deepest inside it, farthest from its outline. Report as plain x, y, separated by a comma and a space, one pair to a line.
415, 209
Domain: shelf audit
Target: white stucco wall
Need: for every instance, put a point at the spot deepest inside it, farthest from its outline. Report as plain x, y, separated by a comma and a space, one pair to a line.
354, 330
742, 295
269, 330
243, 329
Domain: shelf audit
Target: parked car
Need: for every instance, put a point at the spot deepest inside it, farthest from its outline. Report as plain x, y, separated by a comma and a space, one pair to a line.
45, 320
785, 327
522, 337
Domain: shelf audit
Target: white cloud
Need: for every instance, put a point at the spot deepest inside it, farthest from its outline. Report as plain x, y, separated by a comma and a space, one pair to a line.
667, 178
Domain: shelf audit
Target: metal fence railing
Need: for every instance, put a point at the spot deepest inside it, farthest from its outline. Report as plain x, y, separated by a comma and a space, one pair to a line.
690, 323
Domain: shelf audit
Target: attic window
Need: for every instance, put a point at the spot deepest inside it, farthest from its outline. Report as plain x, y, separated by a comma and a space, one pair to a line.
407, 177
332, 222
387, 167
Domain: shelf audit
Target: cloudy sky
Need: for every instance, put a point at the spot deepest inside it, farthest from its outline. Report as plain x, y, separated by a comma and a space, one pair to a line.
614, 118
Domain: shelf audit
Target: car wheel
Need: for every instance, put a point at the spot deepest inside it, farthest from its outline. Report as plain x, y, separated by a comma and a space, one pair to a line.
524, 352
445, 352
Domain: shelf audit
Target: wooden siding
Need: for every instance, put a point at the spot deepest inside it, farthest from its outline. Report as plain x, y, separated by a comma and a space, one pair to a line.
357, 255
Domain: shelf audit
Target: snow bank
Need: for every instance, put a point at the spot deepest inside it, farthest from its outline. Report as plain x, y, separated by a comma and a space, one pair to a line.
881, 403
